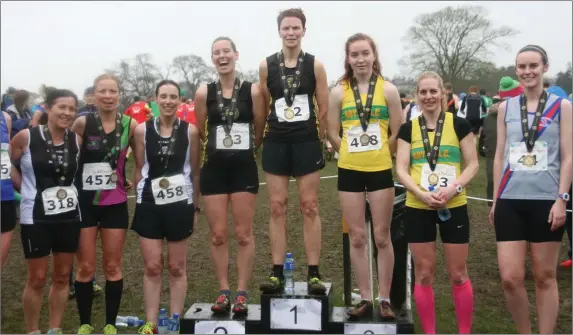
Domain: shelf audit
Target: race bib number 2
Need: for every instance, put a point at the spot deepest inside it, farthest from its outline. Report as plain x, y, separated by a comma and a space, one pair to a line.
98, 176
522, 160
360, 141
238, 138
59, 199
167, 190
299, 111
5, 165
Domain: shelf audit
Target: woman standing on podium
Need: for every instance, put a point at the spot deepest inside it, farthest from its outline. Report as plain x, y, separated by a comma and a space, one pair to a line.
368, 107
231, 117
167, 178
431, 149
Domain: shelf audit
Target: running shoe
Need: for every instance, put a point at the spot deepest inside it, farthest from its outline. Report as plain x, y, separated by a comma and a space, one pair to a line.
222, 305
385, 311
109, 329
566, 264
272, 285
363, 308
241, 307
147, 328
316, 286
86, 329
55, 331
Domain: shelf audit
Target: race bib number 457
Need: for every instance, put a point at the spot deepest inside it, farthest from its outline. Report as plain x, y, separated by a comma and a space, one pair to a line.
299, 111
98, 176
522, 160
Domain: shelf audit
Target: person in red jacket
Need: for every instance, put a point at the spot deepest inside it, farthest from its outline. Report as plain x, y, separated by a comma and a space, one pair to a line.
186, 110
138, 111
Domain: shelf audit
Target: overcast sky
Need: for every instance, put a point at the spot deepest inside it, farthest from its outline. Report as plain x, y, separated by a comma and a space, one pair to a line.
67, 44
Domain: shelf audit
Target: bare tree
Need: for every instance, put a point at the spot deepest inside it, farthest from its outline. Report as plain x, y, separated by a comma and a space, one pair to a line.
250, 75
193, 70
453, 41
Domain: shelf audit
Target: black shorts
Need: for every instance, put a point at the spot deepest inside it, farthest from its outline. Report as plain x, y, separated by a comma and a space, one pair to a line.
292, 159
475, 125
218, 177
173, 222
421, 224
359, 181
8, 211
524, 220
39, 240
108, 216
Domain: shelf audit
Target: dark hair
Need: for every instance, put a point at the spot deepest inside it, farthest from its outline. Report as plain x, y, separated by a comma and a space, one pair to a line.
482, 91
89, 91
448, 86
224, 38
55, 94
291, 12
376, 68
167, 82
48, 90
538, 49
136, 98
402, 95
21, 96
546, 83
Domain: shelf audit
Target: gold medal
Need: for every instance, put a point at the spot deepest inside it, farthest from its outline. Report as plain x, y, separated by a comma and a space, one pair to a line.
61, 194
529, 160
364, 139
289, 113
164, 183
113, 177
228, 141
433, 179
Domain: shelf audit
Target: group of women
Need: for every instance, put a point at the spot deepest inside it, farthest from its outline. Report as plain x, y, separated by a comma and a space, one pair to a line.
73, 182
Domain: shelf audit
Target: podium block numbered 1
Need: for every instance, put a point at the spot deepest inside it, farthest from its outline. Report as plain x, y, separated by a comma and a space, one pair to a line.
369, 328
296, 314
219, 327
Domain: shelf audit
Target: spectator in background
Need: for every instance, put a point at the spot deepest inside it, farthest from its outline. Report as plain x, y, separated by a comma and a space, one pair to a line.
508, 88
8, 98
473, 107
89, 98
186, 110
39, 110
546, 84
404, 100
453, 101
138, 110
486, 100
152, 106
19, 112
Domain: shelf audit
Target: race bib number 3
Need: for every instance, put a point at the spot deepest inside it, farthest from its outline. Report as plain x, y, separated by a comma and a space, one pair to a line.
446, 175
239, 137
5, 165
59, 199
168, 190
299, 111
98, 176
359, 141
522, 160
300, 314
219, 327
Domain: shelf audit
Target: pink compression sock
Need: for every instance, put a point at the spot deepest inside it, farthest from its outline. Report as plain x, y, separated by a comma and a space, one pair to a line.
426, 307
464, 301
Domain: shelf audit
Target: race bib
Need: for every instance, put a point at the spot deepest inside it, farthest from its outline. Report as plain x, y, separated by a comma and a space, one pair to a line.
167, 190
522, 160
238, 139
59, 199
359, 141
442, 176
5, 165
99, 176
299, 111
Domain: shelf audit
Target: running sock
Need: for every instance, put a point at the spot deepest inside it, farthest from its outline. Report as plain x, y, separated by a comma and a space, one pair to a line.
426, 307
464, 302
278, 271
243, 293
225, 292
313, 271
84, 298
113, 292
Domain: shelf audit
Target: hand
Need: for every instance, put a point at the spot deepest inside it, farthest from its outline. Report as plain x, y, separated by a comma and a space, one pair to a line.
128, 184
447, 192
557, 215
431, 199
491, 214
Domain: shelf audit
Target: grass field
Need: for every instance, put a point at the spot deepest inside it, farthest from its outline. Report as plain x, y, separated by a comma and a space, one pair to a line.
491, 315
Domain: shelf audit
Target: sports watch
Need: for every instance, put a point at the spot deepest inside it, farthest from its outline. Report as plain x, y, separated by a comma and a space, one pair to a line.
459, 188
564, 196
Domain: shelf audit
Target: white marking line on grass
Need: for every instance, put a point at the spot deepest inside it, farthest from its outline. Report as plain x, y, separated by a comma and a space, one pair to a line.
395, 184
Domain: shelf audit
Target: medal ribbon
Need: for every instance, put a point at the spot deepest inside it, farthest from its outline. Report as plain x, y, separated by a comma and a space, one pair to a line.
290, 93
60, 169
171, 141
112, 154
529, 133
432, 152
228, 116
364, 111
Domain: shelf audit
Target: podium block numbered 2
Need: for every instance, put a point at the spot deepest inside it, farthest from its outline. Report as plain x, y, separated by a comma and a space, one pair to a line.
200, 320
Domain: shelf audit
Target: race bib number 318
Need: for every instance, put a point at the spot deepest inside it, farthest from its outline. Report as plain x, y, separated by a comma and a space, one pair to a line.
59, 199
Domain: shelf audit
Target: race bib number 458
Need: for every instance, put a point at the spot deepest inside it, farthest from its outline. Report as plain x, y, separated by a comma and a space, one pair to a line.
167, 190
299, 111
522, 160
360, 141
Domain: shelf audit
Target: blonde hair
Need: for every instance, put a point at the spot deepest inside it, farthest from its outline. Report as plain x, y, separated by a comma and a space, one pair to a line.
434, 75
104, 77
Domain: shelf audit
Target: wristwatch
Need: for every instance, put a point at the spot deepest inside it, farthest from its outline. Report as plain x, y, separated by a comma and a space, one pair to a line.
459, 188
198, 209
564, 196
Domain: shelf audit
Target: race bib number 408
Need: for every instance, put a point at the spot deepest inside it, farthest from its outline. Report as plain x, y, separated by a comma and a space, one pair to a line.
239, 137
167, 190
360, 141
98, 176
522, 160
299, 111
5, 165
59, 199
446, 175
